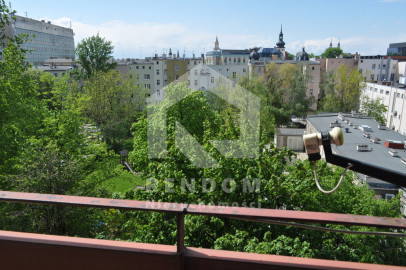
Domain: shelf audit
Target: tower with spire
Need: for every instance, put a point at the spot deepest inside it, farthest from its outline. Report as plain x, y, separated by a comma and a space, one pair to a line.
338, 45
216, 45
331, 42
281, 44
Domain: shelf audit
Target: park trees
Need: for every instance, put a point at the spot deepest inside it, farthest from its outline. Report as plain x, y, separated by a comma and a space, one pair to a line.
276, 182
342, 90
94, 54
332, 52
111, 100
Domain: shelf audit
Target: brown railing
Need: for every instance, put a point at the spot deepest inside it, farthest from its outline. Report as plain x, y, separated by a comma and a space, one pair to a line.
20, 250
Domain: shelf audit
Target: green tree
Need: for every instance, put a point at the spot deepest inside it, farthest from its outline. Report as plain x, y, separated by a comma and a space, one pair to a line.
282, 185
94, 54
342, 94
112, 100
332, 53
374, 108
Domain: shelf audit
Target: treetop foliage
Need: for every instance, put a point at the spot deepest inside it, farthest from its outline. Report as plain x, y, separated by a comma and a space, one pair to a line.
94, 54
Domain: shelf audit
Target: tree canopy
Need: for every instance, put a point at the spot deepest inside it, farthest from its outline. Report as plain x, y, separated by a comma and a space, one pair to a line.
94, 54
341, 90
332, 52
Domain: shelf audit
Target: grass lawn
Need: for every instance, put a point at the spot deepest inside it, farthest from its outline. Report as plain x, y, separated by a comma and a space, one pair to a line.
124, 182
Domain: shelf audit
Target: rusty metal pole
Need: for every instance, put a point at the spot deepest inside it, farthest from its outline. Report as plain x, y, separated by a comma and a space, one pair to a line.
180, 239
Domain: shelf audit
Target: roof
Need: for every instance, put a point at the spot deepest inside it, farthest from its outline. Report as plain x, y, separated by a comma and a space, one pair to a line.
291, 131
397, 45
378, 156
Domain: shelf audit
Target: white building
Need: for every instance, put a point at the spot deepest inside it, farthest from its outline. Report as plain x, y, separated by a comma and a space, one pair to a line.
394, 98
380, 68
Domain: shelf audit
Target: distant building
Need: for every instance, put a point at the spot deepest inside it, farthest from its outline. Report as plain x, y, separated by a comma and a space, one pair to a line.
380, 68
394, 98
45, 41
373, 151
56, 66
291, 138
226, 56
397, 49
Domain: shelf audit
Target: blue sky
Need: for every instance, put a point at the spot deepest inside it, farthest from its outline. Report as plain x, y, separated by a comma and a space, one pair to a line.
141, 28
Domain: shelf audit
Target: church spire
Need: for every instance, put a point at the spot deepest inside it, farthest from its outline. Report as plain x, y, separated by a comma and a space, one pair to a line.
216, 44
338, 45
331, 42
281, 43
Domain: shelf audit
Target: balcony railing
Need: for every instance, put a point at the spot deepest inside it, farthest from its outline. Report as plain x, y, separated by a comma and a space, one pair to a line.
34, 251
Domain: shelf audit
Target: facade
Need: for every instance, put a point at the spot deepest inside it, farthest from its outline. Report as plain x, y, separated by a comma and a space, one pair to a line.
154, 73
56, 66
45, 39
394, 98
204, 77
291, 138
226, 56
397, 49
374, 153
379, 68
331, 64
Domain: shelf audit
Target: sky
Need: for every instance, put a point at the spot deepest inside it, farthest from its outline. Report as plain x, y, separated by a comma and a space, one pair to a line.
140, 29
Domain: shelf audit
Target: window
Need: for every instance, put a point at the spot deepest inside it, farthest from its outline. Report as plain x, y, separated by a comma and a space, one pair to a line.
243, 70
360, 70
195, 71
398, 95
392, 77
312, 79
137, 67
157, 72
147, 77
387, 93
177, 68
158, 92
147, 86
312, 68
311, 92
376, 90
149, 67
234, 75
158, 82
212, 79
383, 66
229, 60
157, 62
176, 77
370, 88
234, 60
239, 60
195, 82
373, 66
143, 67
194, 63
225, 60
381, 91
243, 60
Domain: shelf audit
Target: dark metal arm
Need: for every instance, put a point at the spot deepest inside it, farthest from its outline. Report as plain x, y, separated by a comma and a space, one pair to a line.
387, 175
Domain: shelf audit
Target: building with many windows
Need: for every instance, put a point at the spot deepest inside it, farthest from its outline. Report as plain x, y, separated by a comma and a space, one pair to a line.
397, 49
394, 98
45, 41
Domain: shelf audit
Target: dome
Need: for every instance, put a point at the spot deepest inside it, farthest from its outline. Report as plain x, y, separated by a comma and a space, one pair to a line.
280, 44
303, 56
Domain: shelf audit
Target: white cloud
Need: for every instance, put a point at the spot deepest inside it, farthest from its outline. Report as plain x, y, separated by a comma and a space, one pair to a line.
145, 39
